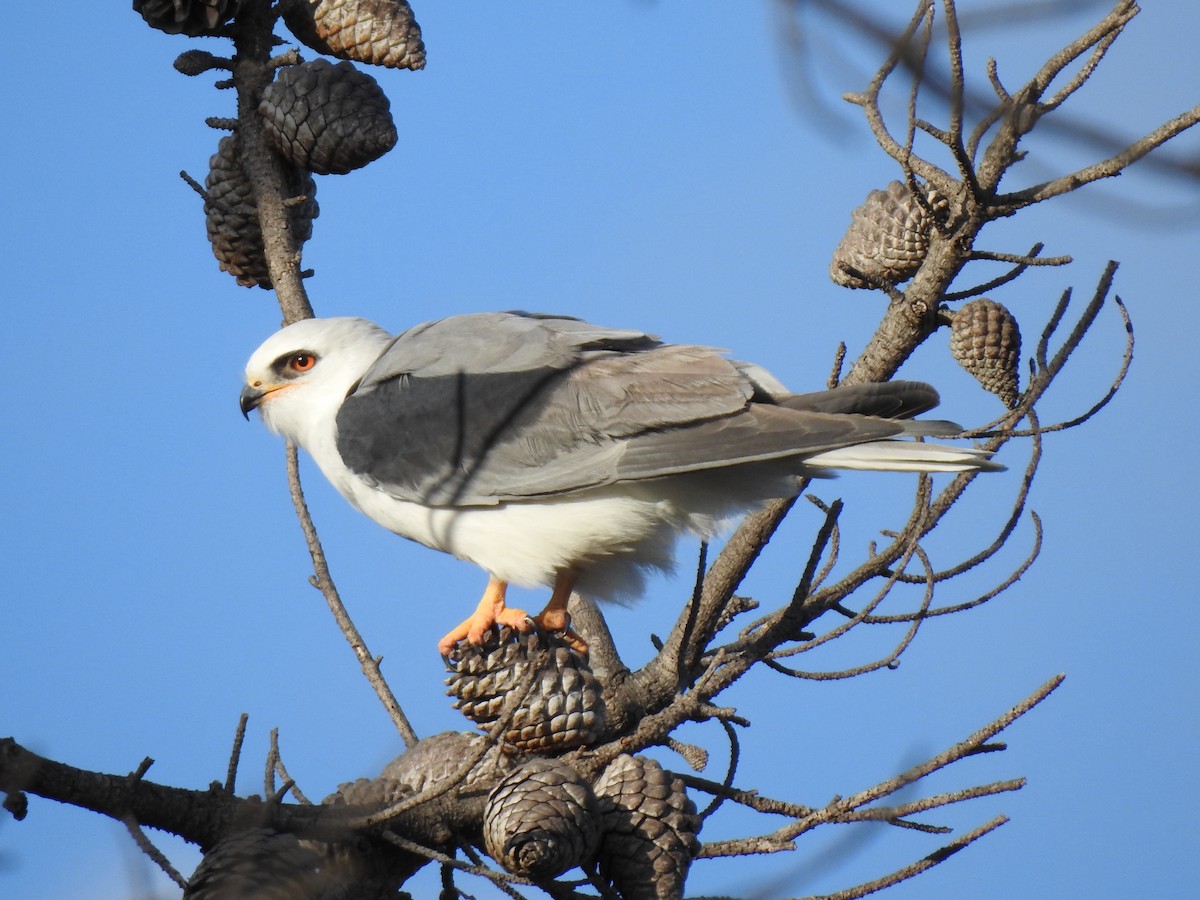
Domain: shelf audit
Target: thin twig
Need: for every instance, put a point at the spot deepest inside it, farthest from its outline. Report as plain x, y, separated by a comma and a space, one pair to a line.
512, 703
324, 583
276, 766
928, 862
888, 661
502, 880
235, 754
147, 846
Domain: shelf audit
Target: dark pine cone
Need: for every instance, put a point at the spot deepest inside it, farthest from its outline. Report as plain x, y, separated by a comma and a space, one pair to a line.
259, 863
648, 829
195, 18
379, 32
541, 820
562, 709
329, 119
231, 216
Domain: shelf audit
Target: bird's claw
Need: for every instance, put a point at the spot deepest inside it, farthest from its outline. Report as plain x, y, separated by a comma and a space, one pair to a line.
558, 622
474, 630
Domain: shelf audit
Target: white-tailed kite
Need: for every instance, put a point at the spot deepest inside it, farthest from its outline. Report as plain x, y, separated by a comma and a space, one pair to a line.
549, 451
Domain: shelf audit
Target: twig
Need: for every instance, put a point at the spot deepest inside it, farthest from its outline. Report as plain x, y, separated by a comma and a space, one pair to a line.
323, 582
235, 754
969, 746
1022, 264
839, 359
194, 184
730, 773
275, 765
928, 862
1004, 585
888, 661
252, 71
512, 703
502, 880
852, 808
147, 846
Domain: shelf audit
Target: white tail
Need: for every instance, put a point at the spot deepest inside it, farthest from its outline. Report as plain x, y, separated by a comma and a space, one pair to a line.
905, 456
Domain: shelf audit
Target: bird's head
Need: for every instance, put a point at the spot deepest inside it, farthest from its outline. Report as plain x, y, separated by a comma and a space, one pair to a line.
299, 377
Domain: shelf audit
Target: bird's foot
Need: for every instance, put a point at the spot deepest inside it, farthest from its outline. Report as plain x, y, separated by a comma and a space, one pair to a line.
556, 620
474, 628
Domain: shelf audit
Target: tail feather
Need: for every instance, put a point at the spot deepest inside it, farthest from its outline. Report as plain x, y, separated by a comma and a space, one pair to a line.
905, 456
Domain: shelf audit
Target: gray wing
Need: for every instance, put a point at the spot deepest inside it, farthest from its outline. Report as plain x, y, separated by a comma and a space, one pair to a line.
480, 409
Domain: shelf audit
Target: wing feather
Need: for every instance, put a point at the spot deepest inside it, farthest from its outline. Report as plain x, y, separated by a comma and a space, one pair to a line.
481, 409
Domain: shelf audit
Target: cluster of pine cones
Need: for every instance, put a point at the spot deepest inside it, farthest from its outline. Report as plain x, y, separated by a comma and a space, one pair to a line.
632, 825
885, 245
322, 118
635, 821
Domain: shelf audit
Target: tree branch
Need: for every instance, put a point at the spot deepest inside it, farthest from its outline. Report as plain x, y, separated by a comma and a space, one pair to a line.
324, 583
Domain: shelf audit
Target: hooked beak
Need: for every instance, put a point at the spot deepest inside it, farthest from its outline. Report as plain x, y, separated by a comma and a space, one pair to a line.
250, 399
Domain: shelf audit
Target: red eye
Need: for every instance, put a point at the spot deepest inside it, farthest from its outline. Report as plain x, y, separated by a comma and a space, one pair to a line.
302, 362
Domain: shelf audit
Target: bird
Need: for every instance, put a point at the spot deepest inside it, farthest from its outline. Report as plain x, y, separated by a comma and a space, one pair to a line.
550, 451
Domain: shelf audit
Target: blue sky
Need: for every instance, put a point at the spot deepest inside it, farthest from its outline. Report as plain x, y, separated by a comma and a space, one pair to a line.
638, 164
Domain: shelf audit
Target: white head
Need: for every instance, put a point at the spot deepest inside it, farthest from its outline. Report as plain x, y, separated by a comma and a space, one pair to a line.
301, 374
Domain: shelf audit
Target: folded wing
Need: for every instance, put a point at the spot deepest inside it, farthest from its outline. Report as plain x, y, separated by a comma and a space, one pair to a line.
477, 410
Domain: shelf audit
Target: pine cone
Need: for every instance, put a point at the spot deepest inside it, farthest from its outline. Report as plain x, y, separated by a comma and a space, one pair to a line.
541, 820
985, 340
648, 829
887, 239
231, 216
379, 32
428, 764
195, 18
197, 62
329, 119
368, 792
258, 863
564, 707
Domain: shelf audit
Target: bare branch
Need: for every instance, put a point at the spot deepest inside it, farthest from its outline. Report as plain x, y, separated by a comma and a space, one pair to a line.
1007, 204
275, 766
147, 847
887, 661
928, 862
235, 754
252, 71
851, 808
323, 582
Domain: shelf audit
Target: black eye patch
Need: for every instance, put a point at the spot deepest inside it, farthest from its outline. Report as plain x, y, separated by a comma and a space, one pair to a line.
294, 364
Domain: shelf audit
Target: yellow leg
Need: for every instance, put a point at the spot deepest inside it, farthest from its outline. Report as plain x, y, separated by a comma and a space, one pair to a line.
555, 617
491, 610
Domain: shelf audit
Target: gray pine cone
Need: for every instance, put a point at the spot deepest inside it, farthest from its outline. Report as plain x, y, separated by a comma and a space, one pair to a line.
434, 760
379, 32
231, 215
887, 239
368, 792
195, 18
985, 340
541, 820
258, 863
329, 119
564, 708
648, 829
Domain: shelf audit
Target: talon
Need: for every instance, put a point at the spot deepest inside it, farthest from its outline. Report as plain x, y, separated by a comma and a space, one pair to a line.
492, 610
555, 618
